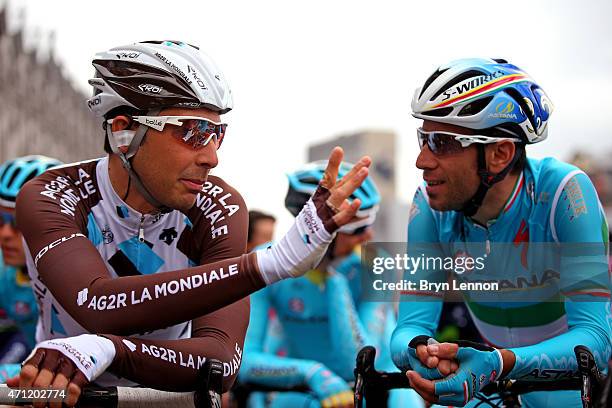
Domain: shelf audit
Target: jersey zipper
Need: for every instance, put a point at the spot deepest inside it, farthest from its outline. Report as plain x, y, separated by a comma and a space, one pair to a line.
141, 229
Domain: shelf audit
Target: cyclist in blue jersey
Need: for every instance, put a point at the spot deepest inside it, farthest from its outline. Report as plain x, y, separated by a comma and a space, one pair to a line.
325, 307
16, 296
481, 194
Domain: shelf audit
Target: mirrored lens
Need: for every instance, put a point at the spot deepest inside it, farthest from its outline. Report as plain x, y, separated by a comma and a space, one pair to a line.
198, 133
438, 142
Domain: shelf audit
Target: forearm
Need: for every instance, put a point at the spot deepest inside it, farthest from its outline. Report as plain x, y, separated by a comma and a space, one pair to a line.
136, 304
416, 318
142, 361
555, 357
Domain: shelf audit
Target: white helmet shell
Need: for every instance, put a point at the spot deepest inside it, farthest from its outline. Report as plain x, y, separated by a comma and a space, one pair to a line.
157, 74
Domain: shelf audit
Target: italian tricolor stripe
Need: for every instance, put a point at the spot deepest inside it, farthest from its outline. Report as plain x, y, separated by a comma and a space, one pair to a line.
484, 89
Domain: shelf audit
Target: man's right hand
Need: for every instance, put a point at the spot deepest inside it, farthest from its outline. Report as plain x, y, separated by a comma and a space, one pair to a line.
67, 363
303, 246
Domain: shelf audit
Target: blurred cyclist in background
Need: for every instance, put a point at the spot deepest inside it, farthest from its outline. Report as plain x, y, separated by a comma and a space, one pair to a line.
325, 307
16, 295
261, 229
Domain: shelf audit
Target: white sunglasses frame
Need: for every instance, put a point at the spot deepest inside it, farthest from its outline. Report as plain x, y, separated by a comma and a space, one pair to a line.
466, 140
159, 122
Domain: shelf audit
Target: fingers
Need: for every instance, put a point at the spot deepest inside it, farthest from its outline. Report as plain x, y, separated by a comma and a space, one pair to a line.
72, 395
447, 367
27, 376
59, 383
29, 371
333, 165
423, 387
48, 369
425, 357
13, 382
443, 350
74, 388
343, 188
347, 213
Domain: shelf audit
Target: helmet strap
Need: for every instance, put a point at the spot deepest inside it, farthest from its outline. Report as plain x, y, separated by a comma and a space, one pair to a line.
127, 164
487, 180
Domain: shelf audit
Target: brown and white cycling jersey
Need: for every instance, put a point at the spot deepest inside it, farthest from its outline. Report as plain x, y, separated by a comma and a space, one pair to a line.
168, 289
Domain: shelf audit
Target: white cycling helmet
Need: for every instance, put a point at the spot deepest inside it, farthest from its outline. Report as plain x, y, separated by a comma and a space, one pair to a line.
157, 74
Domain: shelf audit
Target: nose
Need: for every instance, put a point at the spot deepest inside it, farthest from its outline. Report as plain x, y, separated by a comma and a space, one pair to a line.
426, 160
207, 156
6, 231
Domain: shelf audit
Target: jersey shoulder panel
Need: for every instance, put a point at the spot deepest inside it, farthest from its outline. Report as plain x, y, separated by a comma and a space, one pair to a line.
57, 201
219, 222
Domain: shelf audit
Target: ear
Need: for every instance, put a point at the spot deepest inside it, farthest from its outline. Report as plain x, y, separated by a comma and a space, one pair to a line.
500, 155
120, 122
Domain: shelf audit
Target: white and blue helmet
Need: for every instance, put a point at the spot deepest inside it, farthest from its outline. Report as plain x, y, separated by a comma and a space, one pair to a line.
481, 94
16, 172
304, 181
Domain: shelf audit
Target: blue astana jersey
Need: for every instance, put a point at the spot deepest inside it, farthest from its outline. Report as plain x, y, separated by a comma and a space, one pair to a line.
545, 306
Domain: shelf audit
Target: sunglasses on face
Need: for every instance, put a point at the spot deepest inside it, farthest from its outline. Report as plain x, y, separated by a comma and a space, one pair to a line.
7, 219
442, 143
194, 131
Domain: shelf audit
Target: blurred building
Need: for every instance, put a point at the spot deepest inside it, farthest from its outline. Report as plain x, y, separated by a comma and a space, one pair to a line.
381, 147
41, 111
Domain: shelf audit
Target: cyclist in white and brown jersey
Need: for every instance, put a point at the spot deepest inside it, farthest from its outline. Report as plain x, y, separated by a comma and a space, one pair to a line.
99, 233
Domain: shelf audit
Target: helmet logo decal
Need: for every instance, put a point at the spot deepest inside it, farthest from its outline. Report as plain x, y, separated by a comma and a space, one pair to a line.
464, 87
200, 83
173, 67
150, 88
128, 55
504, 110
479, 87
93, 102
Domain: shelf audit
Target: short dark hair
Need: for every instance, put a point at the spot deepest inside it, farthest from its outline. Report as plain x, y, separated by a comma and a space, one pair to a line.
521, 161
255, 216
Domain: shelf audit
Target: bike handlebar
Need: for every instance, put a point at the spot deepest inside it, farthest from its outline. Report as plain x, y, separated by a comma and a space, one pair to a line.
209, 394
369, 381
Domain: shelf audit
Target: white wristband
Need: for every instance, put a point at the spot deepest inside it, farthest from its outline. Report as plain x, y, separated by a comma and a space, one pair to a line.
90, 353
300, 250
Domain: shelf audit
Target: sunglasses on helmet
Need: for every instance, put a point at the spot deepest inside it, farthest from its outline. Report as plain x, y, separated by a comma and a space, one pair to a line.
194, 131
442, 143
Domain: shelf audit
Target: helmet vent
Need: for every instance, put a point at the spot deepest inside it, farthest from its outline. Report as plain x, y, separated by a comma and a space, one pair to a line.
475, 107
438, 112
459, 78
170, 41
432, 78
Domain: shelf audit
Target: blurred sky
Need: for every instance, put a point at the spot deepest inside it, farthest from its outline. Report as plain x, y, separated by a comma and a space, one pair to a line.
303, 72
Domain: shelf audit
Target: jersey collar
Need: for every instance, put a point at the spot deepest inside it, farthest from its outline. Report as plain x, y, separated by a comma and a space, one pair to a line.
115, 205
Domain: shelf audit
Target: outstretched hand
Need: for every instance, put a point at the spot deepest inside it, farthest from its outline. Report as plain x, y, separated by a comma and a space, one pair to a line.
341, 190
